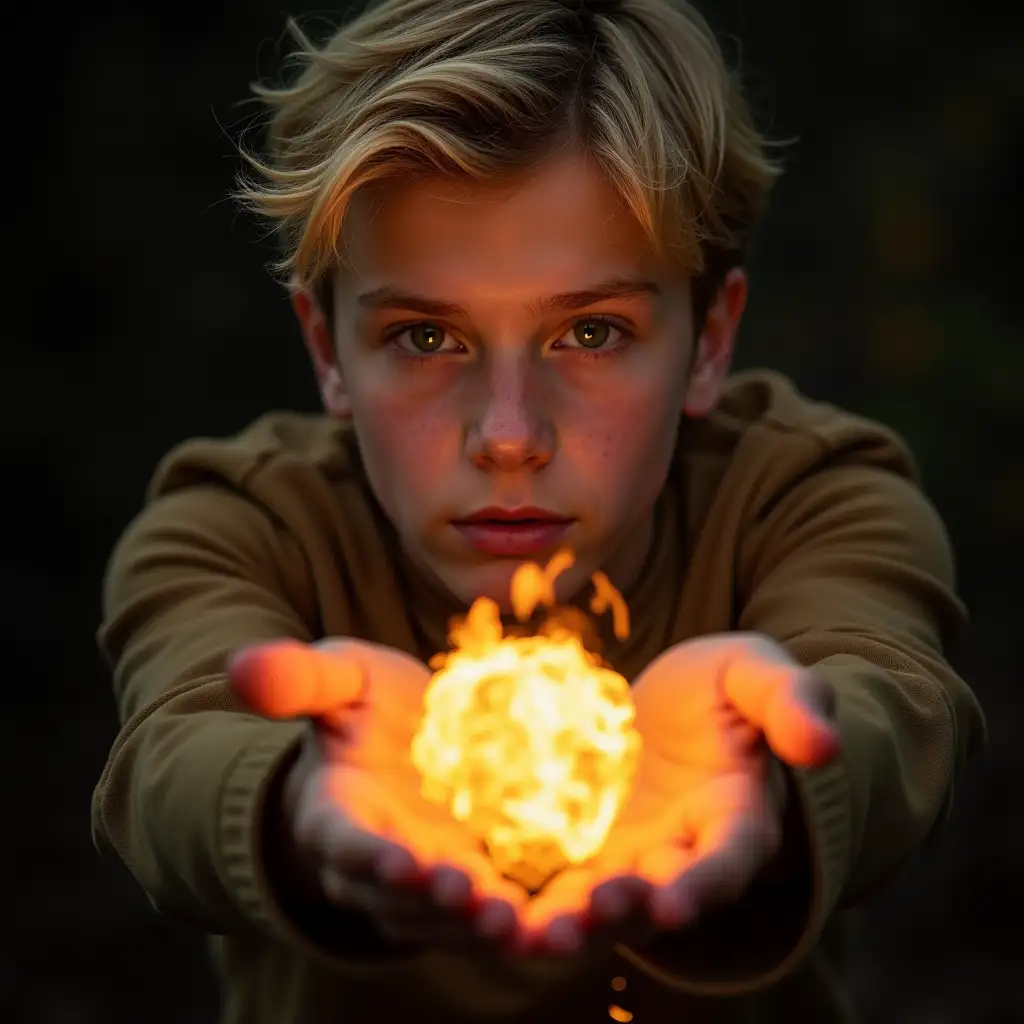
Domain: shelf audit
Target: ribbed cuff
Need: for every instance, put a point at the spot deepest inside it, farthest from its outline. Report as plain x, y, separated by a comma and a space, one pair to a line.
243, 799
343, 940
760, 940
825, 797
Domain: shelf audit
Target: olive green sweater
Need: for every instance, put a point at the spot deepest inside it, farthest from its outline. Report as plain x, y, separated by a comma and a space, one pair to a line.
781, 516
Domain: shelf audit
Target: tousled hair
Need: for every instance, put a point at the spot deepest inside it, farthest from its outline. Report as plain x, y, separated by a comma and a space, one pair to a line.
484, 89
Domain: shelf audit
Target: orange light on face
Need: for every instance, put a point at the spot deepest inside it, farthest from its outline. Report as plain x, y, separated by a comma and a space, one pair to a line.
529, 740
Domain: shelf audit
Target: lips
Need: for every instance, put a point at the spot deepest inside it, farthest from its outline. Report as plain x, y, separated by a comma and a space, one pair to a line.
522, 532
526, 514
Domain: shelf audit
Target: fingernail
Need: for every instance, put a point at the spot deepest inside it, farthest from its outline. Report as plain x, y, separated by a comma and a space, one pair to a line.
397, 866
609, 905
495, 919
450, 888
564, 936
667, 908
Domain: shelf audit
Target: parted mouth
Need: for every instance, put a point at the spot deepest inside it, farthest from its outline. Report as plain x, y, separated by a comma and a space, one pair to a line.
526, 516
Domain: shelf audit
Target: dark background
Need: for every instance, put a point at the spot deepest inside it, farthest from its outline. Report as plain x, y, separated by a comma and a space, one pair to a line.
886, 280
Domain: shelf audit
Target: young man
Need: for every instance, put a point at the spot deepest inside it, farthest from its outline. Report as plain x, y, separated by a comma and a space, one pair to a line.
514, 235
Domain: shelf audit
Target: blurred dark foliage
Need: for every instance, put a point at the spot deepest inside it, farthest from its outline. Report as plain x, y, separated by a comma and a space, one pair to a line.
886, 280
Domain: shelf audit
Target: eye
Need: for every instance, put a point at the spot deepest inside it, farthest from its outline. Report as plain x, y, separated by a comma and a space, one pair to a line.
594, 333
423, 339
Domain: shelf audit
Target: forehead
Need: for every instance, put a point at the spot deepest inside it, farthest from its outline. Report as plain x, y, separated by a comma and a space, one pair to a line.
561, 223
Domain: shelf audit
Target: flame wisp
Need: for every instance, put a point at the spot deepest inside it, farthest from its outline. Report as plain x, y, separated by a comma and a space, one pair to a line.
529, 740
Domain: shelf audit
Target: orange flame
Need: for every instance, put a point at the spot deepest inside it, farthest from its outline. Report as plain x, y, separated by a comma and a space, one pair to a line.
529, 740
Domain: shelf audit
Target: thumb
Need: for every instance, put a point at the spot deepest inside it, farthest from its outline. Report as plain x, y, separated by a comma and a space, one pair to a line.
289, 679
792, 706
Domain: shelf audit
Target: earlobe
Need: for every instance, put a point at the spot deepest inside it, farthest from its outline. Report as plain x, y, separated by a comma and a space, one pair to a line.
334, 394
703, 389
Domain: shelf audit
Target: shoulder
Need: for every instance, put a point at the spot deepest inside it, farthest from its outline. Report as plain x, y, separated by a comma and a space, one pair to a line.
283, 502
777, 478
763, 409
237, 502
301, 473
766, 438
301, 442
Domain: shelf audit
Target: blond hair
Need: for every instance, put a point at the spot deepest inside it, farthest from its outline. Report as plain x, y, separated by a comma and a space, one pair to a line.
483, 89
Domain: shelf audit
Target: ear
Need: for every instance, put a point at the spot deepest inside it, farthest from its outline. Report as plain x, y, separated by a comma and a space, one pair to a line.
716, 345
316, 334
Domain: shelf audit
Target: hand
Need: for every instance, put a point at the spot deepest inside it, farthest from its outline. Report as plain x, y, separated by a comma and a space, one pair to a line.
356, 826
719, 718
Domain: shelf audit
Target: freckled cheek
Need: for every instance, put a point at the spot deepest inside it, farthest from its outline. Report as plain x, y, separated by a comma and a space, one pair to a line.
619, 436
407, 448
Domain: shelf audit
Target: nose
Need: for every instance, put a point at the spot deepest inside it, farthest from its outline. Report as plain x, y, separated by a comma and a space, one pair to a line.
511, 433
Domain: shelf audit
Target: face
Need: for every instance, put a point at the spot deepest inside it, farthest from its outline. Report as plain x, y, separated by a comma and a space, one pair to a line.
516, 362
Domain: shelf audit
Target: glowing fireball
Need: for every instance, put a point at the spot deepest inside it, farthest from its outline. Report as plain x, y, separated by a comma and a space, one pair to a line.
530, 740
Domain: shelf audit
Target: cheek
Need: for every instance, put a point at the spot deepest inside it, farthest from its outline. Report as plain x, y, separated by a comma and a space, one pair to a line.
626, 435
407, 446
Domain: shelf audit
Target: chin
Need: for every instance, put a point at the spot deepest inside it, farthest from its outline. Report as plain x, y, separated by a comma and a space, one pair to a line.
493, 579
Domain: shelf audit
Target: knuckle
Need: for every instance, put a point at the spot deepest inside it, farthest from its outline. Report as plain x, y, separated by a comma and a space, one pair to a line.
751, 642
309, 826
819, 690
336, 886
331, 645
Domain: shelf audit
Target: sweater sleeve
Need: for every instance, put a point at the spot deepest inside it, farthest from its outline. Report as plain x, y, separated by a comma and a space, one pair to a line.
200, 573
852, 572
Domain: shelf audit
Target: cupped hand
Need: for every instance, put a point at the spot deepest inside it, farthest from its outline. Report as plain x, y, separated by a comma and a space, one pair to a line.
720, 718
357, 825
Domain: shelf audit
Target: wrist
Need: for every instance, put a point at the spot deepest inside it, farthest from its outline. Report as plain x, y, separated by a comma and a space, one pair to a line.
339, 927
288, 873
792, 858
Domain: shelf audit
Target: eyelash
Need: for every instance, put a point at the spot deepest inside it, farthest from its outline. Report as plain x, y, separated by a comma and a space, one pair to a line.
627, 337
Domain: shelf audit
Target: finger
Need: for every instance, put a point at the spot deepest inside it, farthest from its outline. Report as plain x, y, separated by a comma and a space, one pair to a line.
381, 895
493, 904
450, 896
378, 825
359, 853
793, 706
582, 908
407, 915
339, 889
402, 913
615, 899
287, 679
451, 888
496, 920
458, 889
395, 865
643, 823
450, 852
555, 918
736, 851
663, 867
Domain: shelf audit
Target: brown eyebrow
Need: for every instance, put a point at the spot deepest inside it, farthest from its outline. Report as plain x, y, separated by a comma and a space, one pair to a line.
386, 297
